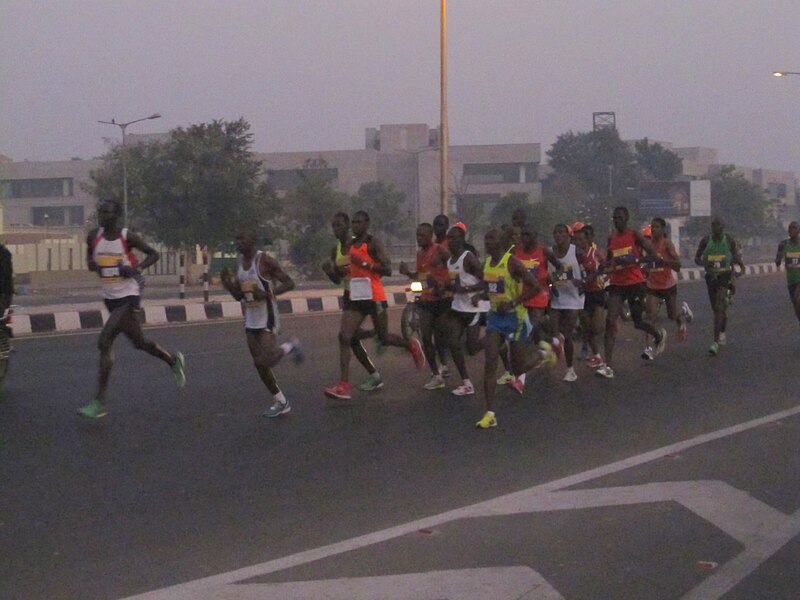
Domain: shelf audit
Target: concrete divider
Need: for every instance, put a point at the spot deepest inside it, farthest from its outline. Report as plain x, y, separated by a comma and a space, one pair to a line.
65, 318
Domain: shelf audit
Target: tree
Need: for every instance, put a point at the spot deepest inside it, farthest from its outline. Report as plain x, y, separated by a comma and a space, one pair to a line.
306, 221
199, 186
506, 205
657, 162
742, 205
384, 204
602, 165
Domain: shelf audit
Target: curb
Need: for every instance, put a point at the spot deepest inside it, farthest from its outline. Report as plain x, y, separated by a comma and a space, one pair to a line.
78, 320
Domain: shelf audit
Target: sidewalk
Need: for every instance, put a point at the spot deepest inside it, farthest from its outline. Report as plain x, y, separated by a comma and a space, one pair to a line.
65, 317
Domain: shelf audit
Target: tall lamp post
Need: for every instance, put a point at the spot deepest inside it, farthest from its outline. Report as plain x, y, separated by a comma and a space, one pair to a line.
443, 133
785, 73
124, 126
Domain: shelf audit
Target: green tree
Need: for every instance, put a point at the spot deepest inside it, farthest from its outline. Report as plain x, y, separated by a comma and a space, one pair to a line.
384, 204
658, 163
199, 186
306, 221
742, 205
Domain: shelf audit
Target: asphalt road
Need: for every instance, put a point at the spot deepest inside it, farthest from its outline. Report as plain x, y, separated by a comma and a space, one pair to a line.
173, 487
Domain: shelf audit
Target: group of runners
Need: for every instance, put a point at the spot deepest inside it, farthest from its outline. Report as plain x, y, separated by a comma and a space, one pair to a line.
524, 303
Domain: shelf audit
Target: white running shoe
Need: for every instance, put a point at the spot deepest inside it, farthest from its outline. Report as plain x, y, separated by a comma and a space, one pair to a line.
605, 371
570, 375
465, 389
662, 343
647, 353
722, 339
687, 312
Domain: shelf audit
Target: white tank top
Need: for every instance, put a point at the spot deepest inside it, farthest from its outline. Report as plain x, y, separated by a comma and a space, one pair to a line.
258, 314
462, 301
566, 295
109, 255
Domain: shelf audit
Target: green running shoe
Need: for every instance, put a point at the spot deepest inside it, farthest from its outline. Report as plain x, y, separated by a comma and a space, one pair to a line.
505, 378
178, 370
371, 383
94, 410
713, 349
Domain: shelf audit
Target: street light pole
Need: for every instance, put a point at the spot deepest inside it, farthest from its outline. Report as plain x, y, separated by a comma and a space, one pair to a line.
784, 73
443, 133
123, 127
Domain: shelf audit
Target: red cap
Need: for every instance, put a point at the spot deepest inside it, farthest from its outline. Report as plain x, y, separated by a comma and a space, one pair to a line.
577, 226
461, 226
647, 231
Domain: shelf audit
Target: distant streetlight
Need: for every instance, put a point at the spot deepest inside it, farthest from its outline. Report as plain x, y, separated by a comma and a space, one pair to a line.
785, 73
123, 126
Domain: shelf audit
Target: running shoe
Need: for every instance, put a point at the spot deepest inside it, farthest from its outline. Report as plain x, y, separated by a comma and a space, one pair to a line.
662, 342
94, 410
444, 371
505, 378
723, 339
517, 385
585, 353
687, 312
605, 371
416, 352
380, 349
296, 352
549, 357
465, 389
277, 409
340, 391
570, 375
647, 353
595, 361
683, 332
487, 421
436, 383
179, 370
713, 349
728, 297
558, 346
371, 383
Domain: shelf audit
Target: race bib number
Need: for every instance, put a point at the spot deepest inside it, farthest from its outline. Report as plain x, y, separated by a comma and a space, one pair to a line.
717, 261
106, 272
497, 287
793, 260
360, 288
564, 276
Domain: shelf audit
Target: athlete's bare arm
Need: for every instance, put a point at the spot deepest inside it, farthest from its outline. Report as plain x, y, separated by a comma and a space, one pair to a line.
530, 287
781, 253
701, 247
230, 283
673, 261
331, 269
90, 264
383, 264
134, 240
269, 268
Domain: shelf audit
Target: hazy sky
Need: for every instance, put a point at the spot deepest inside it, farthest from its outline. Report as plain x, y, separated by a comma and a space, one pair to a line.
312, 74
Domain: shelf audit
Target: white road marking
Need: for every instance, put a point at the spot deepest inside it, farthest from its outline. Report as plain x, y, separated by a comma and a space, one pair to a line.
771, 537
498, 583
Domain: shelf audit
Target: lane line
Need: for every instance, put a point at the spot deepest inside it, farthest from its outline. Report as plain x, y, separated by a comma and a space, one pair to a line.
191, 589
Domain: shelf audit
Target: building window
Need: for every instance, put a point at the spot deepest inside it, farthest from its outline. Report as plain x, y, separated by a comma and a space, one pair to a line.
61, 187
46, 216
776, 190
289, 179
500, 173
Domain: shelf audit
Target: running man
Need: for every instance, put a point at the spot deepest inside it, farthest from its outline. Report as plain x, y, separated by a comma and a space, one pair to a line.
466, 279
662, 285
507, 284
625, 250
368, 263
108, 253
592, 316
568, 292
789, 254
259, 279
719, 254
338, 271
434, 300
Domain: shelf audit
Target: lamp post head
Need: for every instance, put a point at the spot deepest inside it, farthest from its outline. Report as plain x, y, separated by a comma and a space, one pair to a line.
779, 73
155, 116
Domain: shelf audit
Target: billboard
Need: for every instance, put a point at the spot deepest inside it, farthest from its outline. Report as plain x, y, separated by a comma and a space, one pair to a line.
675, 198
664, 198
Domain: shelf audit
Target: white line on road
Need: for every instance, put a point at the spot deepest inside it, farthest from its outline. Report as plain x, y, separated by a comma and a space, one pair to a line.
195, 589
